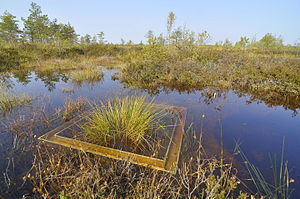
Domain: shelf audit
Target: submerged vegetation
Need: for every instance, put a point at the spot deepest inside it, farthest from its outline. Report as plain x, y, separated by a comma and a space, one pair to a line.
72, 107
9, 101
61, 172
280, 187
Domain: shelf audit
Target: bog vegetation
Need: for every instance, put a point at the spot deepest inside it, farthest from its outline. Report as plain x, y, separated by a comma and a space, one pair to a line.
123, 120
178, 59
9, 101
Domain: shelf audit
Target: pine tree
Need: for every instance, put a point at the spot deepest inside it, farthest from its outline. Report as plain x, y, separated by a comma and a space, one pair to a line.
170, 23
244, 41
9, 30
67, 33
101, 38
37, 25
94, 39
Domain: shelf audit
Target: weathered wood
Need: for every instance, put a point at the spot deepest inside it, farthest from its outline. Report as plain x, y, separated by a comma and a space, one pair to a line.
172, 155
108, 152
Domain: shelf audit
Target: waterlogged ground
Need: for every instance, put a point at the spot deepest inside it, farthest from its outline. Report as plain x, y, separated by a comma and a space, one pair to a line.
258, 128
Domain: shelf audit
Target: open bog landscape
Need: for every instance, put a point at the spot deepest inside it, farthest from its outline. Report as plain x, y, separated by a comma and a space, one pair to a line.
177, 115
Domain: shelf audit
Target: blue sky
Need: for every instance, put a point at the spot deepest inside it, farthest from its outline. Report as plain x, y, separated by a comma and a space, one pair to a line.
131, 19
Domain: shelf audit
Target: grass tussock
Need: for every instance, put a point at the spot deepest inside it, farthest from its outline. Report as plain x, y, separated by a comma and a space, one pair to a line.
126, 119
89, 75
9, 101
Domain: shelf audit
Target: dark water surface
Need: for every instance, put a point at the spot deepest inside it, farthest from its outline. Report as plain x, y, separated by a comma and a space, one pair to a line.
258, 127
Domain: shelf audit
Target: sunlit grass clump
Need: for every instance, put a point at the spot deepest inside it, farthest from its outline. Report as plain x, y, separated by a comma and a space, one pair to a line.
126, 119
10, 101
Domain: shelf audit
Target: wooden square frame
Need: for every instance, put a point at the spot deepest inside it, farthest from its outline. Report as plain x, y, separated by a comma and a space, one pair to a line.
168, 164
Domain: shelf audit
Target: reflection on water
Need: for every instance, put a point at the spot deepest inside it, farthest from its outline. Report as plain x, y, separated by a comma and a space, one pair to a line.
258, 122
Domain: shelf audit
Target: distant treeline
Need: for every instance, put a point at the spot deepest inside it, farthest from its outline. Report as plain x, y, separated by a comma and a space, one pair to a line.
38, 28
182, 36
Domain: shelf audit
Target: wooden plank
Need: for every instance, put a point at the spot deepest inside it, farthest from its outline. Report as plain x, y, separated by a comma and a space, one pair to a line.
61, 128
108, 152
172, 156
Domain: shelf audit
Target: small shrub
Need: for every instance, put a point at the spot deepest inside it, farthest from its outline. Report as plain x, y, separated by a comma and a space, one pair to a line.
9, 58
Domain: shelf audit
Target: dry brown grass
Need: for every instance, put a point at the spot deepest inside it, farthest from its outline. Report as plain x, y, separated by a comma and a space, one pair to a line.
69, 64
71, 107
63, 172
